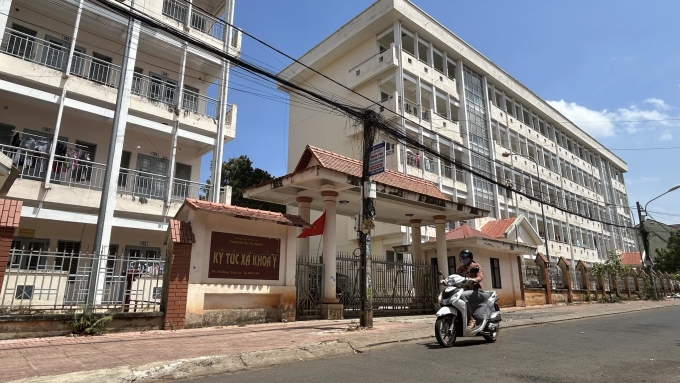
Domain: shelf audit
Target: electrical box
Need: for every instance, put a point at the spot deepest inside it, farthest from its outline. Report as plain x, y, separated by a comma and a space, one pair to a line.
370, 190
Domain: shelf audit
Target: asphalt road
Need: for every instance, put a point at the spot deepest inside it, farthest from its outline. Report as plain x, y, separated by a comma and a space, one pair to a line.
637, 347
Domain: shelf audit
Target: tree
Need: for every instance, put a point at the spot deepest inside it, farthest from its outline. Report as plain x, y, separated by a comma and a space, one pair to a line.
668, 259
238, 172
613, 267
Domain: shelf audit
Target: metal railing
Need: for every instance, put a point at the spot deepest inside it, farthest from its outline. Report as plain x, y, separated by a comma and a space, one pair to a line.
309, 287
460, 175
94, 69
30, 48
154, 89
60, 282
410, 107
200, 104
532, 276
447, 170
200, 20
556, 278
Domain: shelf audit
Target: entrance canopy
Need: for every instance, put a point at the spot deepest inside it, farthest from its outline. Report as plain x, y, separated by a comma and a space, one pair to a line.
400, 198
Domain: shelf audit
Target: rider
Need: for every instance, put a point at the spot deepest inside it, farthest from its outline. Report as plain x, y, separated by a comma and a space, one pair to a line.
465, 270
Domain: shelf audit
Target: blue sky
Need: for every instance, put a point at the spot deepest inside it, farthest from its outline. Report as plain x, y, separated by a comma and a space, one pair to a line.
601, 63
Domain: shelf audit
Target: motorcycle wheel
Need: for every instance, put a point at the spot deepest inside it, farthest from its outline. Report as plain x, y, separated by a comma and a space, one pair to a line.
445, 331
492, 337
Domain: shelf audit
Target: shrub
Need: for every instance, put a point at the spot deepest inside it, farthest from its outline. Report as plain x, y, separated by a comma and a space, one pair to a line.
89, 324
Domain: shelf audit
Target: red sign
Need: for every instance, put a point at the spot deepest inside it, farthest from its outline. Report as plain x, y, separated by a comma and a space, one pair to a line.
244, 257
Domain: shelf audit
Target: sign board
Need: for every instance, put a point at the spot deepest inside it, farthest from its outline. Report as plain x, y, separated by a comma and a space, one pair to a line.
26, 233
244, 257
376, 164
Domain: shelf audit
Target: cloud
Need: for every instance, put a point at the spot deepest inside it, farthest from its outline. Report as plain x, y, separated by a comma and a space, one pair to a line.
666, 136
606, 123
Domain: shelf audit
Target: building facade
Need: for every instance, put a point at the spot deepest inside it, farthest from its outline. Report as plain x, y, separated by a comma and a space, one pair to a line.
60, 75
400, 61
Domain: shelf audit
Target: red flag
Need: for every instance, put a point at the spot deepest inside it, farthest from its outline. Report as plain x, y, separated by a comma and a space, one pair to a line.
316, 229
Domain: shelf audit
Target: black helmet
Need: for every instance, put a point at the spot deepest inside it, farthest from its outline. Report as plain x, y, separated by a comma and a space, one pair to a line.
466, 254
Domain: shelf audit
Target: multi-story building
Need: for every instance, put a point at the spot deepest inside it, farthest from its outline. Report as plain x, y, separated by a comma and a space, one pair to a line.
400, 61
60, 72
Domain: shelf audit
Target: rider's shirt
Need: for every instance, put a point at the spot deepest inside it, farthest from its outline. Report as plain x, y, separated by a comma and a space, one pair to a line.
464, 271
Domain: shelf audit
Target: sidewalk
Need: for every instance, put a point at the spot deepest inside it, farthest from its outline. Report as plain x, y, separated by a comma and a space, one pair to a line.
153, 355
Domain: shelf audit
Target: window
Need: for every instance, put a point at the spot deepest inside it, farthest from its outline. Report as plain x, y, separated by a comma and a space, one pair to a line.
68, 256
28, 253
6, 133
24, 292
452, 265
495, 273
151, 182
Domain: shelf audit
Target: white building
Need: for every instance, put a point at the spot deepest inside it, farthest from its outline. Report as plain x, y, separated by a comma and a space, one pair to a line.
457, 102
50, 59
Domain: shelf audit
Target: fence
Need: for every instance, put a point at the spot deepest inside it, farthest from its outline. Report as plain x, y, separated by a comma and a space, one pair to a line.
37, 281
397, 286
577, 280
556, 279
308, 287
532, 276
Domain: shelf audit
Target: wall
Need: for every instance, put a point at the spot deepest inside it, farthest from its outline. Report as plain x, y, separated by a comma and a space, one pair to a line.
217, 301
534, 297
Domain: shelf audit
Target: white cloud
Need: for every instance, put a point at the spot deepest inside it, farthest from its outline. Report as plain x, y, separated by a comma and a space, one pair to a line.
659, 104
666, 136
607, 123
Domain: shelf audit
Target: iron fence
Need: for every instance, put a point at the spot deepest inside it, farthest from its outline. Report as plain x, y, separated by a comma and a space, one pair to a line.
631, 283
39, 281
397, 286
577, 280
309, 287
532, 276
556, 277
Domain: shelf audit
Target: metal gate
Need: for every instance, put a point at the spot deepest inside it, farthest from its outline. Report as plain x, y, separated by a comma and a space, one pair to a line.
399, 287
308, 284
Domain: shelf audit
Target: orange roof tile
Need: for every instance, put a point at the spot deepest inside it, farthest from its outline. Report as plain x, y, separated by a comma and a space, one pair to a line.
181, 232
246, 213
350, 166
464, 231
631, 259
10, 212
497, 228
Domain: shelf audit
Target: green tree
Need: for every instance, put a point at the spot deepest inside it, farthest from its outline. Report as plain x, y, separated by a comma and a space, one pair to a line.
238, 172
613, 267
668, 259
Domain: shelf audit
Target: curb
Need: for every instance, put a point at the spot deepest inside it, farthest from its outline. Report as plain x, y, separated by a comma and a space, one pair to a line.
223, 364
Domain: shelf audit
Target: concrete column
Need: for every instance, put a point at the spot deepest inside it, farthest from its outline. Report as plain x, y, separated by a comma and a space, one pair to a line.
223, 88
442, 256
5, 6
303, 210
416, 241
329, 246
175, 128
110, 190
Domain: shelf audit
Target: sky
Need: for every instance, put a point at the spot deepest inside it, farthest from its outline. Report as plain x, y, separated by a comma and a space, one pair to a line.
611, 67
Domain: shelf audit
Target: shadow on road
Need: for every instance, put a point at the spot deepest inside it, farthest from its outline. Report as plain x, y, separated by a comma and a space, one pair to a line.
459, 343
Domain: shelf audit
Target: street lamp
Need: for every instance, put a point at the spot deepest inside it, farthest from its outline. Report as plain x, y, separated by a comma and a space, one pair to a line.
645, 239
540, 188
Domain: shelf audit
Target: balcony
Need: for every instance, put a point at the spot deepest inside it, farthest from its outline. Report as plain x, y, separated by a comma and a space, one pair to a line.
372, 67
97, 71
75, 177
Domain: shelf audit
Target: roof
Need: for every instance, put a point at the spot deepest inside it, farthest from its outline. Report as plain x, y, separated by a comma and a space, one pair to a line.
181, 232
498, 228
246, 213
543, 257
350, 166
10, 212
564, 260
631, 259
464, 231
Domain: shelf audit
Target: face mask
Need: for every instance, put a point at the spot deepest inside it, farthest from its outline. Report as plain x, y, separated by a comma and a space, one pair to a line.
465, 261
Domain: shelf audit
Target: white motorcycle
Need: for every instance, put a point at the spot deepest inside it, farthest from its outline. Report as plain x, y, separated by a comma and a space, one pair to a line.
452, 316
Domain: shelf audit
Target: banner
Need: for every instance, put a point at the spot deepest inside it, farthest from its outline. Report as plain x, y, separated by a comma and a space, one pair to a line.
239, 256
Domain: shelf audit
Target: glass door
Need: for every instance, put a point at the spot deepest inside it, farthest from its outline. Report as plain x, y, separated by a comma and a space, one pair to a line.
151, 177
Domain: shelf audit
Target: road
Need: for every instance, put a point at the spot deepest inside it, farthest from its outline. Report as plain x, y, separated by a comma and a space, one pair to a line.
637, 347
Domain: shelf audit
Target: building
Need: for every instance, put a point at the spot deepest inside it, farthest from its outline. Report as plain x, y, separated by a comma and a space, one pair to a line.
414, 71
60, 73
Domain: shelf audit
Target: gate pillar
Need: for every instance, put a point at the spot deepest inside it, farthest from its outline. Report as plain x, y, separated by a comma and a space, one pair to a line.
10, 214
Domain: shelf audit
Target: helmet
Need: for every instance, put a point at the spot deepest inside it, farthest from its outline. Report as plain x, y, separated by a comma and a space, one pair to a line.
465, 254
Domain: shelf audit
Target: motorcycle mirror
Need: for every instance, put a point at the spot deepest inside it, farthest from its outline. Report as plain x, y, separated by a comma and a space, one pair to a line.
439, 273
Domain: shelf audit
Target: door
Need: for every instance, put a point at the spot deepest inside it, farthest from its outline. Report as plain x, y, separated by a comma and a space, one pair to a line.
78, 62
151, 176
181, 187
100, 68
21, 42
162, 88
53, 53
190, 101
137, 83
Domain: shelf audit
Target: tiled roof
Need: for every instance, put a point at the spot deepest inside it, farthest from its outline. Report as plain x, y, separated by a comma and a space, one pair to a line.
631, 259
347, 165
497, 229
10, 212
246, 213
181, 232
464, 231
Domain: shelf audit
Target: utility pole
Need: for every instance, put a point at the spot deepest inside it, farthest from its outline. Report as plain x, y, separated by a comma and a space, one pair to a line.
366, 223
645, 243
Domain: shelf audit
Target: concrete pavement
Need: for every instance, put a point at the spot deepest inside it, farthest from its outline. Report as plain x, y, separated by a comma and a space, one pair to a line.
156, 355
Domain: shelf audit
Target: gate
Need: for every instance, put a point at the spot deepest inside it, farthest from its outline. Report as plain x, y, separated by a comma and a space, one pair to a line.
399, 287
308, 285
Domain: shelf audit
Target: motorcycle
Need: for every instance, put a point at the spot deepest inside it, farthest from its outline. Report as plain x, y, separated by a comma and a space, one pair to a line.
452, 316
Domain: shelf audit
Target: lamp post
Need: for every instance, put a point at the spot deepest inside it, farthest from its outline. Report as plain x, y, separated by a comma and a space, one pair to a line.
540, 188
645, 239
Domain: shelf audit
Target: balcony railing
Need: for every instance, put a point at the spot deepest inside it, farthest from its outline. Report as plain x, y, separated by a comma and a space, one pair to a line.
154, 89
74, 172
447, 171
30, 48
94, 69
200, 104
200, 20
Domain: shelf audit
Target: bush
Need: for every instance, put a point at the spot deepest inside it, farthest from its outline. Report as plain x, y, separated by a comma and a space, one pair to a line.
89, 324
586, 296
